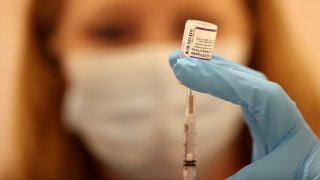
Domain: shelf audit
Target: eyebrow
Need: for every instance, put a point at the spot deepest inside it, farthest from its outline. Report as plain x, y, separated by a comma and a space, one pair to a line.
117, 12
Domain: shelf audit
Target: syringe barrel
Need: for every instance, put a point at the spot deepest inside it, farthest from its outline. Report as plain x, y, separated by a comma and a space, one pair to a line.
190, 132
189, 173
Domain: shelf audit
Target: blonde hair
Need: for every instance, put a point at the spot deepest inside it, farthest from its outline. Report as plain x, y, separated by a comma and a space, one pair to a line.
47, 150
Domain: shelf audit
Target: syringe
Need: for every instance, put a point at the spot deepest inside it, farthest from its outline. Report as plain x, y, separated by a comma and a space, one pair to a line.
190, 133
198, 42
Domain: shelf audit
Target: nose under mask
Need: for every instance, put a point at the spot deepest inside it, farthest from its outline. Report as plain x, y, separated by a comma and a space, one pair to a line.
128, 108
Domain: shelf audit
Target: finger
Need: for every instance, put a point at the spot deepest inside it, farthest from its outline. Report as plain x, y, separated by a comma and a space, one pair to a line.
229, 64
175, 55
283, 163
312, 165
273, 115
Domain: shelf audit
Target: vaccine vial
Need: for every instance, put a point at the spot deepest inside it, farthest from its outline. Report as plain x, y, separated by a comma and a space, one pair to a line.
198, 41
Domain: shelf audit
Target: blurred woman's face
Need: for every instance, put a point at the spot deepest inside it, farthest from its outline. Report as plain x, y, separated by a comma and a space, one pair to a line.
96, 24
134, 79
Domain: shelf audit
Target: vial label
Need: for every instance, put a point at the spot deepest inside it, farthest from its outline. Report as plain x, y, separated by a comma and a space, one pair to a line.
198, 40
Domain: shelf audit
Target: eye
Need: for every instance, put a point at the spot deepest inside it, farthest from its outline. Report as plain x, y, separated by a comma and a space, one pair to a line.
112, 33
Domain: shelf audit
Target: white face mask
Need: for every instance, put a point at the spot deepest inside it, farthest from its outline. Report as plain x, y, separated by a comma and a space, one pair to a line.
128, 108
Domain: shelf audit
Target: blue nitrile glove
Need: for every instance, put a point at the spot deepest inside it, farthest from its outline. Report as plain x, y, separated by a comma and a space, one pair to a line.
284, 146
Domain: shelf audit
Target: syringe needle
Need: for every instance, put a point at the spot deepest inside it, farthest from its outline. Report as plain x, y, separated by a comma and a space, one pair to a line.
190, 102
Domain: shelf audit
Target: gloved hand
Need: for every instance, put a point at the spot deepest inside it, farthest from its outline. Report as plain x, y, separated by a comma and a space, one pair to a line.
284, 146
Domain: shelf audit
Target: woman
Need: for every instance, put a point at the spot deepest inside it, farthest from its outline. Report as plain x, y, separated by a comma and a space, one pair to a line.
58, 144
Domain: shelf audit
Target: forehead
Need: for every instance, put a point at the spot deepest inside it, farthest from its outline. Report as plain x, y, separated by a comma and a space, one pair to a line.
147, 7
152, 4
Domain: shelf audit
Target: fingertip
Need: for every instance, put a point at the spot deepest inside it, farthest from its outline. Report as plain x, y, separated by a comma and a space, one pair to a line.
187, 66
181, 66
186, 62
173, 57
